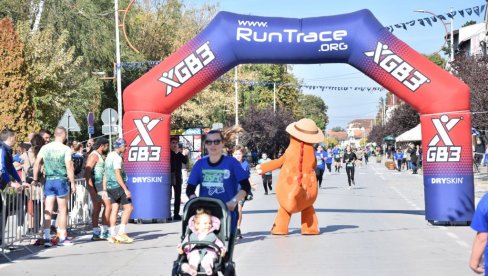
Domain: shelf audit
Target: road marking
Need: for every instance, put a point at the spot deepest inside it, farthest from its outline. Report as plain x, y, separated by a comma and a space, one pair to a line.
463, 244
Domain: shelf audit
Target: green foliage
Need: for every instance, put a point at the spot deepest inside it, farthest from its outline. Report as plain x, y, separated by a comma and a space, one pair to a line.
57, 79
403, 118
437, 59
338, 129
313, 107
76, 38
469, 23
15, 105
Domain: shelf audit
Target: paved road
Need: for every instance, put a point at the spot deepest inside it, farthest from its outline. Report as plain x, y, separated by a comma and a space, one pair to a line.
377, 228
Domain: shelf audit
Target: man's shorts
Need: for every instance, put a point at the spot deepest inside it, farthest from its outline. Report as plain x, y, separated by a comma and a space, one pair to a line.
338, 160
56, 187
117, 195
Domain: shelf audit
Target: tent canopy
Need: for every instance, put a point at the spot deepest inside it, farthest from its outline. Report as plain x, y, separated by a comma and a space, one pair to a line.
411, 135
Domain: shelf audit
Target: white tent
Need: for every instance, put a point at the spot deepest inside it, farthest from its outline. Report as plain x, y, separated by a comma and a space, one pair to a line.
411, 135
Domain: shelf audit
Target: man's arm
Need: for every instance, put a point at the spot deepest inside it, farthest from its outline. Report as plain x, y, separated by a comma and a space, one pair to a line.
120, 180
477, 250
90, 163
37, 167
70, 169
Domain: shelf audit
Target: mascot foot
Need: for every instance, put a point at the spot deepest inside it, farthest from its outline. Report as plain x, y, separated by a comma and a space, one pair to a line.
310, 224
278, 230
310, 232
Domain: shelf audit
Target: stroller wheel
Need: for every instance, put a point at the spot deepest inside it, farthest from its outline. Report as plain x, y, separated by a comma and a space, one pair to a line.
176, 268
230, 269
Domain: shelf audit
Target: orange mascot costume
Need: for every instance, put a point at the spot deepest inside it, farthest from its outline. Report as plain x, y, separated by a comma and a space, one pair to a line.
297, 189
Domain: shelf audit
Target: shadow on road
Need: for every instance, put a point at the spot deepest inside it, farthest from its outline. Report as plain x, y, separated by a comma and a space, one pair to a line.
363, 211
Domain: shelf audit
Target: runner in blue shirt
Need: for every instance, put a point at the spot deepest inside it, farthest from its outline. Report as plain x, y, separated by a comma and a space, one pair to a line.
220, 176
328, 160
319, 170
398, 156
336, 153
480, 225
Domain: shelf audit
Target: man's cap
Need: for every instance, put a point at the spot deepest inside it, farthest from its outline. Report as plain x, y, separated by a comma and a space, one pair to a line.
119, 142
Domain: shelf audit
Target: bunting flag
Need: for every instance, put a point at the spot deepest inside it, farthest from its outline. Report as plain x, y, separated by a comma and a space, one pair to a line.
477, 10
147, 65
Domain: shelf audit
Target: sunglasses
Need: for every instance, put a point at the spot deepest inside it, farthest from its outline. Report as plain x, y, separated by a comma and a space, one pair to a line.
215, 142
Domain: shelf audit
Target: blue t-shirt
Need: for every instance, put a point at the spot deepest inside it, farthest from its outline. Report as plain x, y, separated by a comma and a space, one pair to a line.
219, 181
320, 161
480, 221
336, 153
328, 159
398, 156
246, 168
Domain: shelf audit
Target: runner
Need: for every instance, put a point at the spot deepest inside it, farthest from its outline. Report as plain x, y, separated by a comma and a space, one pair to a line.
117, 191
58, 168
336, 153
94, 170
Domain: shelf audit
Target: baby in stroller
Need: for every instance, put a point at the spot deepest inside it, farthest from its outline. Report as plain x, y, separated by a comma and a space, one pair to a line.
202, 226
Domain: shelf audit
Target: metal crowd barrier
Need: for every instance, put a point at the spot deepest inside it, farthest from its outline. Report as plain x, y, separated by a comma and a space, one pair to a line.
79, 207
22, 213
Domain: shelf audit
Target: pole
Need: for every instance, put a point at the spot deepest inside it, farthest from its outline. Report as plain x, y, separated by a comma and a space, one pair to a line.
67, 130
274, 97
236, 102
110, 128
443, 23
117, 69
452, 37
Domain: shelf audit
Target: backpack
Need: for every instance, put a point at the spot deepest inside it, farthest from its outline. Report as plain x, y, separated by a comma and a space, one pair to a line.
77, 163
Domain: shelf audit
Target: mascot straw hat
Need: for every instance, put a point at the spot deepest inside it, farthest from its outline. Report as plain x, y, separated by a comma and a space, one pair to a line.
305, 130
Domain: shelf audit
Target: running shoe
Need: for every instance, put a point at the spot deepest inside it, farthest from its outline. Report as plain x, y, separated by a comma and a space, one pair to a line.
47, 243
112, 240
105, 235
238, 234
96, 237
123, 238
65, 242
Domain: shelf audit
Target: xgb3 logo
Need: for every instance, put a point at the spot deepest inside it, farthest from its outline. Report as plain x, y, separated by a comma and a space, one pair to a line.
149, 152
187, 68
397, 67
448, 152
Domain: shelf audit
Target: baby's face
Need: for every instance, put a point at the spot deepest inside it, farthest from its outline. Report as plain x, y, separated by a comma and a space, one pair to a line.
238, 155
203, 224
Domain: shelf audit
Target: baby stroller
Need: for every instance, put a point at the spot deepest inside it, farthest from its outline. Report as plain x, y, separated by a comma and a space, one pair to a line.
218, 209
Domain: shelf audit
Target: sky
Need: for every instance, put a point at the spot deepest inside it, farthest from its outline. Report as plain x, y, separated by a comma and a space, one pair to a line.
344, 107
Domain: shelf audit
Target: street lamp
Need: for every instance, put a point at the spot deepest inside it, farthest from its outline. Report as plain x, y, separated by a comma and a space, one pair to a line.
445, 28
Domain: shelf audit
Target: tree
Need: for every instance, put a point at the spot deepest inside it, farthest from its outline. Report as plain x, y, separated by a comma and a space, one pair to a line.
313, 107
469, 23
473, 70
265, 130
437, 59
57, 79
403, 118
330, 141
338, 129
17, 113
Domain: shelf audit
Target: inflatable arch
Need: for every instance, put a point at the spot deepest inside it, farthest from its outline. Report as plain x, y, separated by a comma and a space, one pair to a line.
357, 39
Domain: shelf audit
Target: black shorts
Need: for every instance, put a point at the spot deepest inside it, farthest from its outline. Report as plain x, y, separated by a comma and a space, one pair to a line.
338, 160
117, 195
